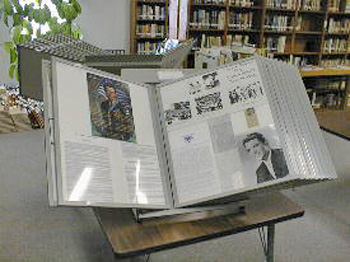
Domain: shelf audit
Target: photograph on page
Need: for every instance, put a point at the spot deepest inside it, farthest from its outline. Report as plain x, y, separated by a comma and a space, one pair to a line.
262, 156
110, 109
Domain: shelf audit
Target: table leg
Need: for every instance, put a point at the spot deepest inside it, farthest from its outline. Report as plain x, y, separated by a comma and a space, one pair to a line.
270, 242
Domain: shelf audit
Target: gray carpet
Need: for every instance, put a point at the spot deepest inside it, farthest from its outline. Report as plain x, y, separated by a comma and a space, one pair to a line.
32, 231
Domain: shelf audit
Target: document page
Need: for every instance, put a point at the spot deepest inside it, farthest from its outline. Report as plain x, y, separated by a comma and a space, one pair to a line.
221, 134
106, 140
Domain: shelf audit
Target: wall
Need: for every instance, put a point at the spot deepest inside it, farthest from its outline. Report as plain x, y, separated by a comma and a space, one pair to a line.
104, 23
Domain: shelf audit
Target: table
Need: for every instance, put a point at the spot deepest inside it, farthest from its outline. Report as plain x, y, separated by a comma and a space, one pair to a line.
129, 238
335, 121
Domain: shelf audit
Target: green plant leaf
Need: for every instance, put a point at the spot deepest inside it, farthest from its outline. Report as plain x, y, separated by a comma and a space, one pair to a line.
27, 25
17, 74
46, 13
18, 7
12, 70
17, 20
8, 46
76, 6
8, 7
16, 34
13, 56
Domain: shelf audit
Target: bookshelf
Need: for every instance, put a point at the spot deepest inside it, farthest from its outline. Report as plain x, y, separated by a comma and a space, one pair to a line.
304, 32
149, 25
328, 88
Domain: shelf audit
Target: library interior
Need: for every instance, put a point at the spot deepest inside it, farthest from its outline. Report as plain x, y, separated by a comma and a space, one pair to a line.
127, 130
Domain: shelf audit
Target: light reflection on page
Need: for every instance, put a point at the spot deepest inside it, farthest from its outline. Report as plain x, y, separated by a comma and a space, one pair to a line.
140, 197
81, 185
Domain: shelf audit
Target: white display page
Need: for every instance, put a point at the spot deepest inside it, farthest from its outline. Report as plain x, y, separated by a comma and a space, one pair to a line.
209, 119
107, 149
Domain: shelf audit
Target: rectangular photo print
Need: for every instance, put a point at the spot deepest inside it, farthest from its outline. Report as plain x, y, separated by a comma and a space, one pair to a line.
110, 109
262, 156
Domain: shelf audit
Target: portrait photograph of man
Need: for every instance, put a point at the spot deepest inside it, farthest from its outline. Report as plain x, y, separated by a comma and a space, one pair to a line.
110, 108
271, 162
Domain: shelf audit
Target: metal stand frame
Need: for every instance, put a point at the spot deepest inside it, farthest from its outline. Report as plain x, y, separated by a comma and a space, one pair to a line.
268, 241
193, 213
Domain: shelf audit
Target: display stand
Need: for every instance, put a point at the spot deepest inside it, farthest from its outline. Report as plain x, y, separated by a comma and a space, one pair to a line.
129, 238
194, 213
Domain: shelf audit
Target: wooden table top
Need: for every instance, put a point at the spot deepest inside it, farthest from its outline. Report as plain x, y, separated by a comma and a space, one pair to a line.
128, 238
335, 121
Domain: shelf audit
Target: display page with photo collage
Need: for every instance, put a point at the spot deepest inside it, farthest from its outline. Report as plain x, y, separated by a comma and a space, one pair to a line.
221, 132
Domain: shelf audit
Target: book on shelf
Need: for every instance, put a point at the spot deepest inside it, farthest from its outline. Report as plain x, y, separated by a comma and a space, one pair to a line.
237, 38
198, 2
240, 20
241, 3
334, 62
150, 30
338, 25
334, 5
334, 45
145, 48
209, 137
278, 22
276, 44
207, 41
327, 93
347, 6
208, 19
151, 12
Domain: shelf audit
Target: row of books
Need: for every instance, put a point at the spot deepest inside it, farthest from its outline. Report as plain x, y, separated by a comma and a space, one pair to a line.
242, 3
278, 22
338, 26
326, 93
237, 38
238, 20
208, 19
283, 4
146, 48
198, 2
298, 61
334, 45
347, 6
334, 5
276, 44
334, 62
150, 30
205, 41
310, 5
294, 4
151, 12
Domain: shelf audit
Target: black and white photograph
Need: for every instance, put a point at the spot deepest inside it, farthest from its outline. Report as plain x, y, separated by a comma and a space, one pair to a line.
251, 117
210, 80
209, 103
246, 93
110, 109
262, 156
179, 111
206, 82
